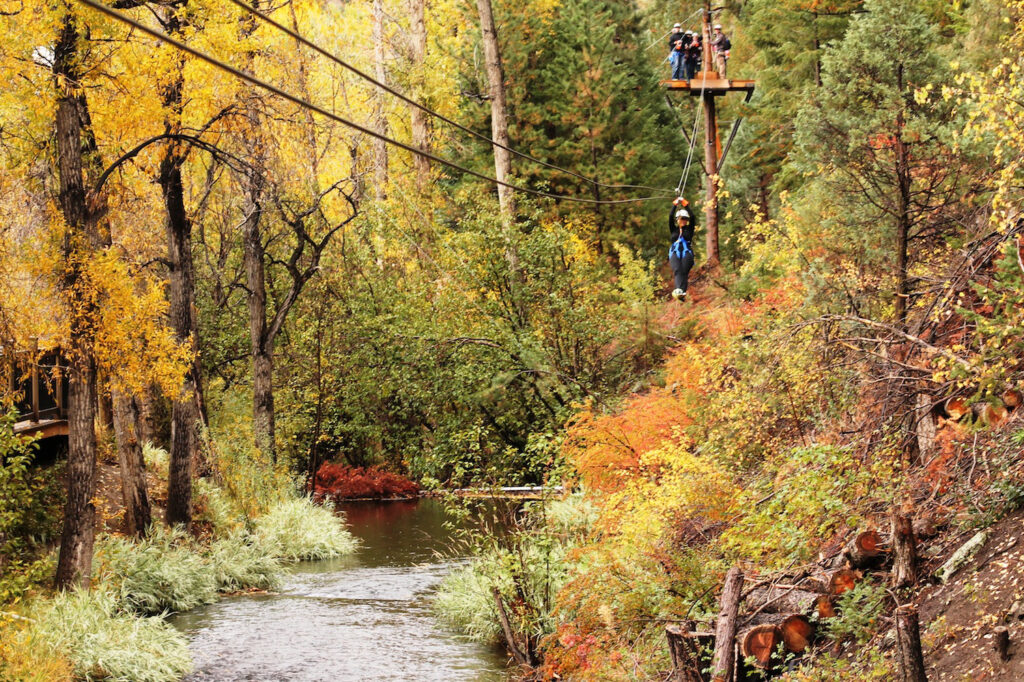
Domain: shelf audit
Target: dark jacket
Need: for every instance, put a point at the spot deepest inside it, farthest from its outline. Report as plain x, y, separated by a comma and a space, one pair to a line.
693, 48
672, 39
687, 229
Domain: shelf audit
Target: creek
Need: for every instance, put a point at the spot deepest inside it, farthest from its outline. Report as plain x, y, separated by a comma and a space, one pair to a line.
362, 617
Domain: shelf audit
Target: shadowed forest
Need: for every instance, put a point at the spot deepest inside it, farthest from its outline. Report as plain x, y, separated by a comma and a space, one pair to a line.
261, 258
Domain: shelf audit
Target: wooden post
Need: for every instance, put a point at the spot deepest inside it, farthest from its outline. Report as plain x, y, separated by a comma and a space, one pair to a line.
711, 149
908, 637
34, 359
723, 660
58, 383
904, 544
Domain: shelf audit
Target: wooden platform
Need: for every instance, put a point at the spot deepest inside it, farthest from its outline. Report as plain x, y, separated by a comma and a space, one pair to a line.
711, 84
44, 428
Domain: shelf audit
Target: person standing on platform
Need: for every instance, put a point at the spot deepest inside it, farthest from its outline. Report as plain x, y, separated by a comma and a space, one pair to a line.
720, 47
691, 54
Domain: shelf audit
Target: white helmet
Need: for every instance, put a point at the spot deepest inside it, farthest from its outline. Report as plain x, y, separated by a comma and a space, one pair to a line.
682, 213
677, 25
717, 27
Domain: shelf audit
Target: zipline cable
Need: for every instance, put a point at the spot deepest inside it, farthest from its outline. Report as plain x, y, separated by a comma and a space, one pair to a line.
681, 187
387, 88
252, 80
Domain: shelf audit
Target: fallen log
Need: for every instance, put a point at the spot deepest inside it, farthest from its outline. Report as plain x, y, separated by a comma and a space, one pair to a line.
865, 550
759, 643
723, 659
990, 414
776, 599
961, 556
841, 581
1012, 398
684, 651
797, 632
825, 606
956, 407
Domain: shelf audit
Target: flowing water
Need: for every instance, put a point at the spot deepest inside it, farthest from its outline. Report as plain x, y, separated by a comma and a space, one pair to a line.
362, 617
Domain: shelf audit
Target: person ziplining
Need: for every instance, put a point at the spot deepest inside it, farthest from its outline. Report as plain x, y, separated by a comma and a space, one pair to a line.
680, 253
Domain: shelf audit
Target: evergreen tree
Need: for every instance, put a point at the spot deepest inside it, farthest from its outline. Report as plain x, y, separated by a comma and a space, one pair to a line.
880, 139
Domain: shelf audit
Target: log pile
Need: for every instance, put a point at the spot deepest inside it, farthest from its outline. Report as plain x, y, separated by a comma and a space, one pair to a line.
779, 616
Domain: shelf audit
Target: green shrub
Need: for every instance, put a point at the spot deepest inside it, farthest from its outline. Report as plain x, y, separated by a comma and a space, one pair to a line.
298, 530
103, 643
239, 562
858, 610
163, 572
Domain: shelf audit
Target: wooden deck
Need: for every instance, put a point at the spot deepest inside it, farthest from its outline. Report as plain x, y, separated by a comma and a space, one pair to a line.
44, 428
710, 83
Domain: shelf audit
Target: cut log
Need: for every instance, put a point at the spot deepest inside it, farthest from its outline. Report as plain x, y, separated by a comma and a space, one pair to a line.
904, 545
723, 661
684, 651
797, 633
774, 599
865, 550
992, 414
759, 643
956, 407
841, 581
825, 606
1012, 398
908, 639
1002, 643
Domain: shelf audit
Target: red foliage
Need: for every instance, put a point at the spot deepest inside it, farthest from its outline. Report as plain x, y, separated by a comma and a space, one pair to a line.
342, 482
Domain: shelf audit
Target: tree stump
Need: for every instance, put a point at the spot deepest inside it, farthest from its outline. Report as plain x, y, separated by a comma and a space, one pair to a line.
904, 565
865, 550
685, 654
1002, 643
723, 661
908, 638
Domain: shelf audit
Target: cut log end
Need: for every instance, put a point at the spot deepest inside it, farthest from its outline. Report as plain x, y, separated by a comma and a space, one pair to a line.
759, 643
865, 549
956, 408
797, 632
841, 581
825, 606
1012, 398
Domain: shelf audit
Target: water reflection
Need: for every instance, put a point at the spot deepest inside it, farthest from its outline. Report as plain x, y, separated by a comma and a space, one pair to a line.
364, 617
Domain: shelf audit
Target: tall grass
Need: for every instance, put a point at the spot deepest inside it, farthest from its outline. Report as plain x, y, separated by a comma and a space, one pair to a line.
161, 573
240, 562
298, 530
103, 643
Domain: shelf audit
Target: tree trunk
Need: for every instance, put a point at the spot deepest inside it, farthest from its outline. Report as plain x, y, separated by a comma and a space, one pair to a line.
925, 426
908, 637
521, 657
499, 108
81, 238
723, 659
683, 649
902, 213
260, 346
187, 410
904, 566
137, 515
419, 121
380, 160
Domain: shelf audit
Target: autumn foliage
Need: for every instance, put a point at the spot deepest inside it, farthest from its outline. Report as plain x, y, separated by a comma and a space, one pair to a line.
342, 482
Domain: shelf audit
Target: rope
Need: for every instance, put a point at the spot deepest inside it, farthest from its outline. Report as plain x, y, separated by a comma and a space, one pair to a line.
340, 62
681, 187
252, 80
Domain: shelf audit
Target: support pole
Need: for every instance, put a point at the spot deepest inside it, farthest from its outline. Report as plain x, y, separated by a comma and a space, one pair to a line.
711, 192
35, 379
